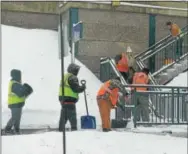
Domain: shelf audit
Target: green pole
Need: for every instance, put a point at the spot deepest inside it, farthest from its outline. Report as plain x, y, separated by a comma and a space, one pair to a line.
73, 19
152, 31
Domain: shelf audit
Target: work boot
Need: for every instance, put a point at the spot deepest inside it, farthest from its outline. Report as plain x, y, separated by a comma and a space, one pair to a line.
9, 131
109, 130
73, 129
17, 131
106, 130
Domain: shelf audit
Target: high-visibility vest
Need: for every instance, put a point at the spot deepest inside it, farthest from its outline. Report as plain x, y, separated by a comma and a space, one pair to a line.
12, 97
122, 65
68, 92
140, 78
113, 93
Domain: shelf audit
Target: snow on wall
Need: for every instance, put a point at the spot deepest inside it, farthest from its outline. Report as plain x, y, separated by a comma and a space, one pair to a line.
35, 53
180, 80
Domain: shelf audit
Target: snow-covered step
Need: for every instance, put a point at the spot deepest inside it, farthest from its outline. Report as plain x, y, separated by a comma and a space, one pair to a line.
162, 78
178, 67
172, 72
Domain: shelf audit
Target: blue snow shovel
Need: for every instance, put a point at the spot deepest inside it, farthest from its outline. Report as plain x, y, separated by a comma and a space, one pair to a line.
87, 121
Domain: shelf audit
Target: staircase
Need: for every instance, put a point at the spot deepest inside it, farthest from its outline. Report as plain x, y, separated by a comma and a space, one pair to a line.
108, 71
170, 58
168, 64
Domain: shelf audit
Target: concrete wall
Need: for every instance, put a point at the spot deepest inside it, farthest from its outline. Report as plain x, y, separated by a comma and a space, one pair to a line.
107, 33
29, 20
31, 6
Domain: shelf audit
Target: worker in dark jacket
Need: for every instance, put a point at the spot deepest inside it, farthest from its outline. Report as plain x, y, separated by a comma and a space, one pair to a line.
17, 94
71, 91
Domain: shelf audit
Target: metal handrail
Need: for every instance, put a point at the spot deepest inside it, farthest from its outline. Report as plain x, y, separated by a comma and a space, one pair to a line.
172, 41
140, 60
156, 86
158, 44
110, 61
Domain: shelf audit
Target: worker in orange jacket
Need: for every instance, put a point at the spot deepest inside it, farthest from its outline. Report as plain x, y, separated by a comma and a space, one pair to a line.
175, 31
107, 99
122, 65
142, 100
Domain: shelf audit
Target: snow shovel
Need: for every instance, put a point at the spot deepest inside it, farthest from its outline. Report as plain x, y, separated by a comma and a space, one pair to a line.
87, 121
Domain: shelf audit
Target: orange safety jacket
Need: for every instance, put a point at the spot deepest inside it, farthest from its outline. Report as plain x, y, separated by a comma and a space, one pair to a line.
175, 30
122, 65
140, 78
113, 93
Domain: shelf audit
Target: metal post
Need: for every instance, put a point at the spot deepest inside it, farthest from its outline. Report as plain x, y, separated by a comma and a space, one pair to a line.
135, 107
178, 108
73, 51
62, 79
152, 40
172, 110
73, 18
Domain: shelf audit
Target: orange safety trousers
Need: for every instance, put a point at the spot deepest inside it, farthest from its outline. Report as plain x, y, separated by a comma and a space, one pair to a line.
105, 109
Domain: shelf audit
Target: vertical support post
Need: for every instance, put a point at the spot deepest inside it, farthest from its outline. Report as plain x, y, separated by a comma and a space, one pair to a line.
135, 107
73, 52
178, 106
152, 32
73, 19
172, 110
62, 79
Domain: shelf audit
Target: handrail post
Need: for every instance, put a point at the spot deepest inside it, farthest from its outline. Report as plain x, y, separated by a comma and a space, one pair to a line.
178, 104
172, 110
135, 107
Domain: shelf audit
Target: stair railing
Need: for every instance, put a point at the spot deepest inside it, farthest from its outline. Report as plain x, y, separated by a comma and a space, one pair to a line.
165, 55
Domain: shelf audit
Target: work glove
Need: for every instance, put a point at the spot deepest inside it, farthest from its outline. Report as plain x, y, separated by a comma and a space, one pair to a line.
114, 106
121, 102
84, 87
120, 94
27, 89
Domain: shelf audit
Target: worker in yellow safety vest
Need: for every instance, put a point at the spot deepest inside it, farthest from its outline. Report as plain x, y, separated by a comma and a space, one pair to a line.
17, 94
71, 92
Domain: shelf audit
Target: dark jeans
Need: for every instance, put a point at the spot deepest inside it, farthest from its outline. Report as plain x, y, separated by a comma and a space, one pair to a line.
125, 75
142, 107
179, 51
70, 114
14, 120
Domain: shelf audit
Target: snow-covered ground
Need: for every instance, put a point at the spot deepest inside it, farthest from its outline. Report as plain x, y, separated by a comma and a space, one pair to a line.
35, 53
91, 142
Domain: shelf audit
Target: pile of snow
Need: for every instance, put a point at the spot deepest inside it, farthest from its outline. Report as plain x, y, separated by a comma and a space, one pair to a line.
180, 80
35, 53
93, 142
